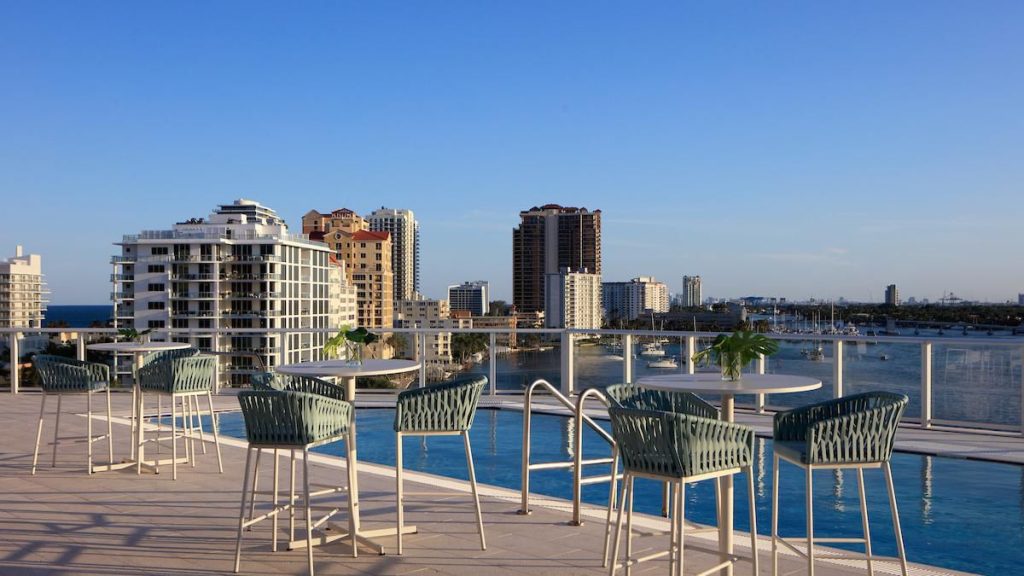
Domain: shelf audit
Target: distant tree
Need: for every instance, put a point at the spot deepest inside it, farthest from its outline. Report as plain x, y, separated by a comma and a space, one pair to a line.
465, 345
398, 343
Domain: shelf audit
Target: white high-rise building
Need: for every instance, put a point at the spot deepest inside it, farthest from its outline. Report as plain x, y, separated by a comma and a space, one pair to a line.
573, 300
22, 291
472, 296
405, 248
225, 283
691, 295
630, 300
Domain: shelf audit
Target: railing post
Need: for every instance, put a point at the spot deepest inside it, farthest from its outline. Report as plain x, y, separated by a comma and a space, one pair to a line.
80, 346
492, 368
837, 368
760, 398
1022, 390
422, 353
926, 385
568, 363
15, 363
627, 358
691, 349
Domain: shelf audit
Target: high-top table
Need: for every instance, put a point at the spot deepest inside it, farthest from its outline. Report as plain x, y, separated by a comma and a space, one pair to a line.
712, 383
349, 372
137, 350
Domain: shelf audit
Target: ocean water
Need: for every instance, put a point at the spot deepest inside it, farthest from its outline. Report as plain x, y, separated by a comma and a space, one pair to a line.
78, 316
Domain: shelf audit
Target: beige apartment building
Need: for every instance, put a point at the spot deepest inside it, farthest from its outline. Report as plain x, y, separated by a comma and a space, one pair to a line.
430, 314
22, 291
367, 257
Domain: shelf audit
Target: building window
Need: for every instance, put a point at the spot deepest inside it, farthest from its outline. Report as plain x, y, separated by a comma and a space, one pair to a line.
155, 269
158, 251
156, 306
156, 288
156, 324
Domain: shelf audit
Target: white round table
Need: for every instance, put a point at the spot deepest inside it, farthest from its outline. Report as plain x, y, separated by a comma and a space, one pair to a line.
137, 350
348, 372
712, 383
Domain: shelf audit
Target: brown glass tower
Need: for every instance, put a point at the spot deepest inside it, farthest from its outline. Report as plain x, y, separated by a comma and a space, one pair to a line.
549, 239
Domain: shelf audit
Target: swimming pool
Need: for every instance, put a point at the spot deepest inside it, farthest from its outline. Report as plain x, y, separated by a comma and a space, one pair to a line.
958, 514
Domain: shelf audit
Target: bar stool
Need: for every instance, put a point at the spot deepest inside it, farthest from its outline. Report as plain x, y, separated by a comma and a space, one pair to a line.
181, 377
276, 420
679, 449
855, 432
445, 409
59, 376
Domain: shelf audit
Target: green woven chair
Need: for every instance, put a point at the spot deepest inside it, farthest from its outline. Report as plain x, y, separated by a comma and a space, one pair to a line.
445, 409
278, 419
291, 383
60, 376
642, 398
853, 432
680, 449
182, 377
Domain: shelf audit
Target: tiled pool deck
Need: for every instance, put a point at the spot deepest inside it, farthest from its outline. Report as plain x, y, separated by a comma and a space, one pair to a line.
62, 521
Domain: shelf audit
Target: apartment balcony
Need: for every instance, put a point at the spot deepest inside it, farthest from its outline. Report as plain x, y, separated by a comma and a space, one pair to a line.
193, 296
122, 277
122, 259
192, 277
122, 295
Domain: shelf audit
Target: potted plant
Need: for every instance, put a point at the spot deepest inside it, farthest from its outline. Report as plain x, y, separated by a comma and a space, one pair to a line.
734, 351
353, 341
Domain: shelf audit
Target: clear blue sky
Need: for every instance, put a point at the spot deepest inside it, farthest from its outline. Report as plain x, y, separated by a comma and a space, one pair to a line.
814, 149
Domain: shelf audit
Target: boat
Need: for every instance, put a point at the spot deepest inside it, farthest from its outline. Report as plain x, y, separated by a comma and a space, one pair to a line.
883, 357
617, 357
817, 353
667, 362
652, 349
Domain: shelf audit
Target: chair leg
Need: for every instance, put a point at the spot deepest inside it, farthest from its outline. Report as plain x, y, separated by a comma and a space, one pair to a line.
174, 441
139, 435
753, 519
629, 529
56, 431
611, 505
618, 524
309, 509
241, 510
810, 521
216, 432
400, 497
199, 422
681, 527
673, 543
353, 495
666, 499
136, 420
110, 429
775, 515
895, 518
476, 493
291, 500
255, 486
88, 429
864, 520
39, 433
188, 429
277, 467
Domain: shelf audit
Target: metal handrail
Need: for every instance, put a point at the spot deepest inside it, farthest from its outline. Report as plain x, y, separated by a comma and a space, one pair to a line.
577, 463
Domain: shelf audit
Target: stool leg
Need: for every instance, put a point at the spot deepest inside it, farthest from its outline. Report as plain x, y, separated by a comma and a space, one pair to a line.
136, 417
56, 432
618, 524
39, 433
399, 504
666, 499
110, 430
199, 422
291, 500
255, 485
216, 433
681, 527
775, 515
88, 429
810, 521
241, 510
864, 520
673, 545
895, 519
611, 505
353, 496
159, 428
753, 519
629, 529
309, 510
174, 441
476, 494
276, 470
140, 436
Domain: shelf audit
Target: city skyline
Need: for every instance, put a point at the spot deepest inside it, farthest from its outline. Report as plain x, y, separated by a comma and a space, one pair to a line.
794, 151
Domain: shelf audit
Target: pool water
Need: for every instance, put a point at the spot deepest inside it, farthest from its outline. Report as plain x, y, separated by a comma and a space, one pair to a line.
958, 514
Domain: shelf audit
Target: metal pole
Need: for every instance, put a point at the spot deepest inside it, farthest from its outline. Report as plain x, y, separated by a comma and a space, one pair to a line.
492, 369
627, 358
423, 359
80, 346
568, 363
837, 368
15, 375
691, 349
762, 362
926, 385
